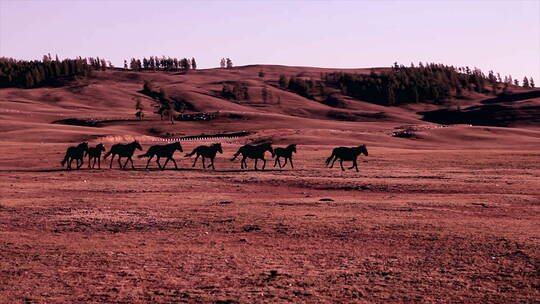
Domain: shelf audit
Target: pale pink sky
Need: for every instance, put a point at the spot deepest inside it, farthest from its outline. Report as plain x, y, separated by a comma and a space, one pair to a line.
499, 35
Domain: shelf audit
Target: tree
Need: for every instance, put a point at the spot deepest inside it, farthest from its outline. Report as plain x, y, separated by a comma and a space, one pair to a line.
264, 94
516, 82
139, 108
525, 82
283, 81
125, 64
261, 74
184, 64
222, 63
193, 63
531, 83
229, 63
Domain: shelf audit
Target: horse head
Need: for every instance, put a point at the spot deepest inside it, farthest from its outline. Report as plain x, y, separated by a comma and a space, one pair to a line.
101, 147
293, 148
218, 148
363, 150
137, 145
84, 146
268, 147
178, 147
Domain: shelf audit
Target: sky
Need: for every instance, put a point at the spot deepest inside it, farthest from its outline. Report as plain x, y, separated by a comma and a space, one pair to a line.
503, 36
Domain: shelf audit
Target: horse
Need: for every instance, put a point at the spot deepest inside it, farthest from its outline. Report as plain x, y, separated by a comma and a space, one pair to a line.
344, 153
206, 152
285, 153
95, 154
162, 151
123, 150
253, 152
75, 153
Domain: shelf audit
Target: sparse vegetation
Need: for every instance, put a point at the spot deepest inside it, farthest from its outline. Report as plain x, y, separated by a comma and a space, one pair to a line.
235, 91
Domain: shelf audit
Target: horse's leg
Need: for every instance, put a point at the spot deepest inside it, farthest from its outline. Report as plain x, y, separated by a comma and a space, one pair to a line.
174, 162
212, 160
264, 163
112, 157
356, 165
256, 160
80, 162
341, 164
120, 163
131, 160
89, 161
290, 160
98, 161
148, 162
242, 162
203, 164
196, 158
69, 163
333, 161
284, 163
157, 161
165, 164
276, 161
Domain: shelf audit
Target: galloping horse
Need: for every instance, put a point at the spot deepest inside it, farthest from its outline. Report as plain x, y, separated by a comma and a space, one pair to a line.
162, 151
95, 154
75, 153
344, 153
253, 152
285, 153
206, 152
123, 151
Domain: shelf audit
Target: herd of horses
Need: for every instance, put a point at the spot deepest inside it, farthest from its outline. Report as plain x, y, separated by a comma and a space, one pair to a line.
255, 152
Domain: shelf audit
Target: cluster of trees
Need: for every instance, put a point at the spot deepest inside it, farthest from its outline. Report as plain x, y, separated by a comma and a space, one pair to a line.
308, 88
425, 83
30, 74
527, 83
226, 63
167, 107
155, 63
235, 91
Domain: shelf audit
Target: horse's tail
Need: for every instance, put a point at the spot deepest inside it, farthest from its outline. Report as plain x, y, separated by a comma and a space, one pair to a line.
144, 155
63, 162
237, 153
329, 159
192, 152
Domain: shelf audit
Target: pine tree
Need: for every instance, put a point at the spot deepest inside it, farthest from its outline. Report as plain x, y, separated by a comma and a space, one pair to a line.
229, 63
125, 64
525, 82
531, 83
283, 81
222, 63
193, 63
516, 82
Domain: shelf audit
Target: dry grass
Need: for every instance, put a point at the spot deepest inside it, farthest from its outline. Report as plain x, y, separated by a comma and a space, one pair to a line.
410, 229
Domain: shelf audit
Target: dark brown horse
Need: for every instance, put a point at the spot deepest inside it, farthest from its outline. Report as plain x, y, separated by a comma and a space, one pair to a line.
206, 152
75, 153
349, 154
94, 153
285, 153
123, 150
160, 151
253, 152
